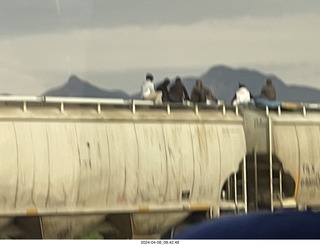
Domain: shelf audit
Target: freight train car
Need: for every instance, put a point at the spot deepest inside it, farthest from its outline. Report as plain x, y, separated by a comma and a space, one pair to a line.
282, 156
131, 169
127, 169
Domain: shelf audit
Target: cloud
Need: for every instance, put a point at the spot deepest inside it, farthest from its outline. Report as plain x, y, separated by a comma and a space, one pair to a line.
236, 41
19, 83
254, 42
40, 16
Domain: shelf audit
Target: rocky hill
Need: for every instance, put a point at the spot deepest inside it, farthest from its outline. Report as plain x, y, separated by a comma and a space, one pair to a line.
75, 87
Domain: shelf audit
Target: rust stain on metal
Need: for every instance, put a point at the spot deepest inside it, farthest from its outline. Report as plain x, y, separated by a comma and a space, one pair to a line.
31, 212
198, 207
143, 208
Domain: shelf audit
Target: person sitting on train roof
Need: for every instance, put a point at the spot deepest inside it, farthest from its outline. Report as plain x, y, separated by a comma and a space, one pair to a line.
201, 94
178, 92
268, 91
163, 87
148, 92
242, 95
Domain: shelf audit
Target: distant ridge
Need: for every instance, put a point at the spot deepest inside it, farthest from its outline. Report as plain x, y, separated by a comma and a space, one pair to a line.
75, 87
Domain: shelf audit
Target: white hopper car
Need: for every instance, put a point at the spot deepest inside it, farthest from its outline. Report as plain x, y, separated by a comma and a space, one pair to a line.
129, 169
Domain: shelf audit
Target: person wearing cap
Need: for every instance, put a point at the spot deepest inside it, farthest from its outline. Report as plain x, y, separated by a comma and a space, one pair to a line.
268, 91
148, 92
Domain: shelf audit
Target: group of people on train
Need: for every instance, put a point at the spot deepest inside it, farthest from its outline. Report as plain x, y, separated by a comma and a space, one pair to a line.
243, 95
178, 93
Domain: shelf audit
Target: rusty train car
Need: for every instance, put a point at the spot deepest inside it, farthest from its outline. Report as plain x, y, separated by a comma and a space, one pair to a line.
131, 169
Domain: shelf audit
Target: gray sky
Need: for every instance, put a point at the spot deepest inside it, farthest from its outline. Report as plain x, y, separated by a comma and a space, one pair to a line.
112, 44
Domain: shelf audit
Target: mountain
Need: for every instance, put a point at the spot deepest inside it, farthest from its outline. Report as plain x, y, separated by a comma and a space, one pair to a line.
76, 87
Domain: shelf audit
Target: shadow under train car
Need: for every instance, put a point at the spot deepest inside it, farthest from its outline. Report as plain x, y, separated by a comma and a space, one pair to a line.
282, 225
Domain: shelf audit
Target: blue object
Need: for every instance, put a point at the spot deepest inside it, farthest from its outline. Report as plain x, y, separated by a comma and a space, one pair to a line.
260, 102
284, 225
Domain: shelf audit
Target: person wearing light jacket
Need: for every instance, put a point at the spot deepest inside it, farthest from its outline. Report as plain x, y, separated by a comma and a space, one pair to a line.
148, 92
242, 95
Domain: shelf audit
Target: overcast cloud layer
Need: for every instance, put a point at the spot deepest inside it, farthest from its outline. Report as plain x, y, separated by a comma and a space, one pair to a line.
113, 44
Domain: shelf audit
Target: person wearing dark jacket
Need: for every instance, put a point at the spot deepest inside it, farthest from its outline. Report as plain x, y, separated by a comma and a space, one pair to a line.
268, 91
178, 92
164, 88
201, 94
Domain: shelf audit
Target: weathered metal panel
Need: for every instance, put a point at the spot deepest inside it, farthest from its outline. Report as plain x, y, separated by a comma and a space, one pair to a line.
288, 152
309, 181
206, 161
63, 161
8, 167
33, 164
82, 161
124, 173
83, 164
232, 149
93, 164
152, 163
296, 142
179, 161
199, 158
255, 124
